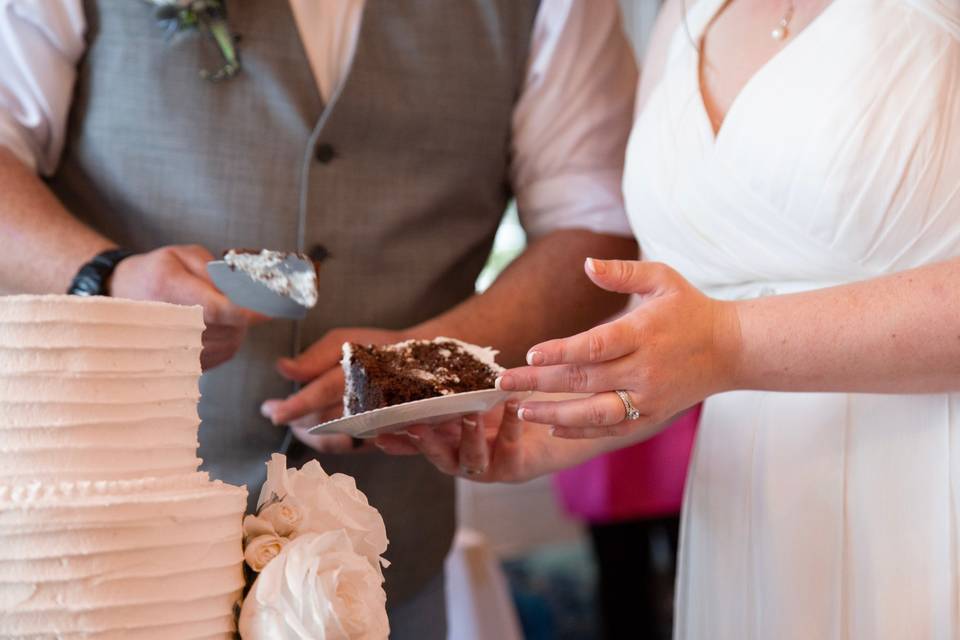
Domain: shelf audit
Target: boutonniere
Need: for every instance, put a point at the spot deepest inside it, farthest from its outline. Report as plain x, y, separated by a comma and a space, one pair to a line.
210, 18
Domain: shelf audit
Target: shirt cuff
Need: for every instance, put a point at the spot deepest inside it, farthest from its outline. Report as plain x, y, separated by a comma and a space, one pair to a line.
592, 202
12, 137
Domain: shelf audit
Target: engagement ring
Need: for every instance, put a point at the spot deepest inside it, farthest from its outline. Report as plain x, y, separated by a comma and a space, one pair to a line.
632, 412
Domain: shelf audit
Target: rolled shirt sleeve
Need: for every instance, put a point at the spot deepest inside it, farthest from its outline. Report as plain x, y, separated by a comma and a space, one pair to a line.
572, 120
40, 44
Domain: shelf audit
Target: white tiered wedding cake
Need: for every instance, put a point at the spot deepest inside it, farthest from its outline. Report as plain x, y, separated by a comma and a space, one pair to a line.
107, 529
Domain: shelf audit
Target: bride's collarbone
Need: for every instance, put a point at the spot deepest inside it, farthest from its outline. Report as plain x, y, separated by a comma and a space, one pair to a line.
738, 44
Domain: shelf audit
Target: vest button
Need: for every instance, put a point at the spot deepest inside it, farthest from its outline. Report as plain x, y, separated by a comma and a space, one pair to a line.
318, 253
325, 153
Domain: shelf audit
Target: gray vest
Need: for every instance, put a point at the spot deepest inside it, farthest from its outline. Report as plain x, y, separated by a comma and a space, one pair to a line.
402, 178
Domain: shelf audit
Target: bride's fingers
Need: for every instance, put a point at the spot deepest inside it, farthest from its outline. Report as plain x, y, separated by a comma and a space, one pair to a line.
600, 344
601, 410
474, 452
435, 448
571, 378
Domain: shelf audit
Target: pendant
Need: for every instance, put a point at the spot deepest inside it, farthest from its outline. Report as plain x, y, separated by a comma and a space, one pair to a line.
781, 32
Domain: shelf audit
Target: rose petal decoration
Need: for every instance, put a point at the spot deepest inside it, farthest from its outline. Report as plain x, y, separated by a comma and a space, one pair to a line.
261, 550
254, 526
285, 516
318, 587
327, 503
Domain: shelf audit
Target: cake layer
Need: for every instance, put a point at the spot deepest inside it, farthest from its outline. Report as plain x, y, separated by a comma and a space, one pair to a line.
61, 335
91, 362
27, 414
69, 542
99, 390
152, 559
106, 451
151, 432
35, 310
52, 465
209, 617
106, 529
59, 502
136, 558
105, 591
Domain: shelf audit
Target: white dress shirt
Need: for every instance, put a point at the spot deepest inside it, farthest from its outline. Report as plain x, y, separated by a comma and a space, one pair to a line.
569, 125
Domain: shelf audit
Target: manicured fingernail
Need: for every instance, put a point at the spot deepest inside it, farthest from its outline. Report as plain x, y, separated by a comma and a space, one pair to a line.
524, 414
469, 423
266, 410
596, 266
535, 358
505, 383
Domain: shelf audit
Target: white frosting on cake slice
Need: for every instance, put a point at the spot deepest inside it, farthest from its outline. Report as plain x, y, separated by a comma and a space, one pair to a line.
265, 267
107, 529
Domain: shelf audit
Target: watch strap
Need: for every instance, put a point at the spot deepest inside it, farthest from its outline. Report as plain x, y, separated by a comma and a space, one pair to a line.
92, 278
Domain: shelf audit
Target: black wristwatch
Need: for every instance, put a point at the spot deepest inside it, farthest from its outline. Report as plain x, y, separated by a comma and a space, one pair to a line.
92, 278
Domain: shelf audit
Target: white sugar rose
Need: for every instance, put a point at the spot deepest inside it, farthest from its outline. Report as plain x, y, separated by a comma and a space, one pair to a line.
262, 549
254, 526
327, 503
319, 587
285, 516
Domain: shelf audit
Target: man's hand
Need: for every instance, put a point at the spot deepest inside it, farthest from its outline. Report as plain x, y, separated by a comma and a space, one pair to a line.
321, 398
178, 274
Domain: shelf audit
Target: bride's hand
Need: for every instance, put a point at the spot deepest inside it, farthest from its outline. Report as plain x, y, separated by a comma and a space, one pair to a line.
678, 347
491, 447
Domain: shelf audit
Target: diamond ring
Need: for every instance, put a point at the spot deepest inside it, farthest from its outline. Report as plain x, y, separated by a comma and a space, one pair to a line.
632, 412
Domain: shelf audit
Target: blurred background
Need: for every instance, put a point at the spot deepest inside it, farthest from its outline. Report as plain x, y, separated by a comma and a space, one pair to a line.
530, 558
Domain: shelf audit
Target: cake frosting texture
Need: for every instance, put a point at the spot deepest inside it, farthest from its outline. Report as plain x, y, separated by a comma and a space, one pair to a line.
107, 529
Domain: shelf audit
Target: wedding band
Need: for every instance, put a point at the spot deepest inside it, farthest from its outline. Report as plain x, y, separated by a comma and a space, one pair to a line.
632, 412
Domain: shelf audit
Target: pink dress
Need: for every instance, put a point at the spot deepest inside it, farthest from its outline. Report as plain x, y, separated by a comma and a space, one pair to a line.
642, 481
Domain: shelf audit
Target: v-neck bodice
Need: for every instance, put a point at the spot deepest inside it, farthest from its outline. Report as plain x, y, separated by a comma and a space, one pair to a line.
711, 11
812, 178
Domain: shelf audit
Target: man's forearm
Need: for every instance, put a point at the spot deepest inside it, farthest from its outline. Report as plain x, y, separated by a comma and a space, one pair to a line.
43, 245
543, 294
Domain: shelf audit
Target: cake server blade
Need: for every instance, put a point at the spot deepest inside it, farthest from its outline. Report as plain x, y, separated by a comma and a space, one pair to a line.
244, 291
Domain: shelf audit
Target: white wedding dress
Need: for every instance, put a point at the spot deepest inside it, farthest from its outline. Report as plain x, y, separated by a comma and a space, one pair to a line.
814, 516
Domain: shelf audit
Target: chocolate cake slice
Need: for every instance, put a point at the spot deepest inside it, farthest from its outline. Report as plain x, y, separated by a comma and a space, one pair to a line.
383, 376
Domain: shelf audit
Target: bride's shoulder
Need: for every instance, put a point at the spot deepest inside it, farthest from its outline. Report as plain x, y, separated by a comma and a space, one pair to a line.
669, 21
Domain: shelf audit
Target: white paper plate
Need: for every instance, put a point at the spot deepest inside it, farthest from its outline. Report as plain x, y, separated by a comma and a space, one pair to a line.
429, 411
244, 291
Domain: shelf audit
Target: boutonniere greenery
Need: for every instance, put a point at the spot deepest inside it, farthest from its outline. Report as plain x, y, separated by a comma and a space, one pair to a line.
210, 18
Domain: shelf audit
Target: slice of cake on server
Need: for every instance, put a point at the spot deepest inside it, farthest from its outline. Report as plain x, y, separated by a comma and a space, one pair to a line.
107, 529
384, 376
